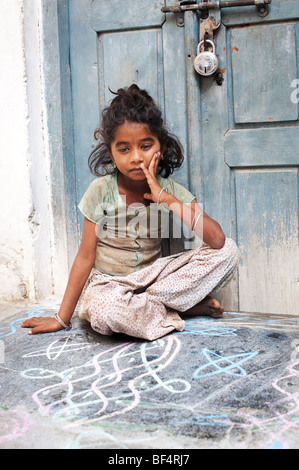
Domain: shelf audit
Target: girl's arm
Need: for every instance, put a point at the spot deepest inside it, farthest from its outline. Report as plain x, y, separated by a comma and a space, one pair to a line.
206, 228
80, 271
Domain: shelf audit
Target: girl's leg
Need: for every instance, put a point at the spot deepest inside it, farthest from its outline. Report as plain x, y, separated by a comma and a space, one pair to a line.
187, 288
115, 306
144, 304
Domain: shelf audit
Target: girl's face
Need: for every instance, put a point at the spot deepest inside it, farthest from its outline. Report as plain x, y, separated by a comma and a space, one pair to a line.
133, 144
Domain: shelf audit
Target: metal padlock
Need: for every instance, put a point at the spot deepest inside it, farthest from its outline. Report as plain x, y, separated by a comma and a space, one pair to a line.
206, 62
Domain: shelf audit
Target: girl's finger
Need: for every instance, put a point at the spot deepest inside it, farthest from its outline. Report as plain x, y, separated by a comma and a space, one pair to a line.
145, 170
154, 162
152, 165
155, 156
157, 161
35, 330
30, 322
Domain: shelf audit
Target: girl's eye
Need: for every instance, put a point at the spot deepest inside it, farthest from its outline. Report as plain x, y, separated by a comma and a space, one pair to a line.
123, 150
146, 147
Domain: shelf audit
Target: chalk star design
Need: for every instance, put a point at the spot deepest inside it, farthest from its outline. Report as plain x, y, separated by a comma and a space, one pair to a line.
228, 365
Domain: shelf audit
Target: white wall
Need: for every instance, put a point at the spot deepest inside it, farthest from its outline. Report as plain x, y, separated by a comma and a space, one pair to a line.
25, 208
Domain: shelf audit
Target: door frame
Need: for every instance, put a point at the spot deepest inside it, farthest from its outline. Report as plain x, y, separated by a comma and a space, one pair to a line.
55, 43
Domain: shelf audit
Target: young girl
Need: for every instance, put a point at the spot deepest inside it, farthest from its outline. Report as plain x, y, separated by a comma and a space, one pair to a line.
128, 286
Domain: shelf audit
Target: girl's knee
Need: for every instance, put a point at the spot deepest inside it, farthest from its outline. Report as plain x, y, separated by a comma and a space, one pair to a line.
230, 250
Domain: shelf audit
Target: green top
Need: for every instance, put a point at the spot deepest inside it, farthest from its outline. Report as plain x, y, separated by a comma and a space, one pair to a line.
129, 237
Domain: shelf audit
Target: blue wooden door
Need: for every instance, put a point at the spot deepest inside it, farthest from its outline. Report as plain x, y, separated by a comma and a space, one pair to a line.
250, 151
241, 138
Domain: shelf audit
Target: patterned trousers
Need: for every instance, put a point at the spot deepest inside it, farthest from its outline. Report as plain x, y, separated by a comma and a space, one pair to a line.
146, 304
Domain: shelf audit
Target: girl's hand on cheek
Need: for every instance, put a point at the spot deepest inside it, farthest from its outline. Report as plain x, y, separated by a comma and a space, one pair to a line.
150, 174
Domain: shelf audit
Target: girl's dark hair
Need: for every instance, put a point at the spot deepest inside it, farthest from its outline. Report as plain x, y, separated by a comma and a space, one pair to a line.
134, 105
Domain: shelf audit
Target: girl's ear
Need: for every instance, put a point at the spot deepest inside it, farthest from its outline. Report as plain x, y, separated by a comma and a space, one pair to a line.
109, 151
110, 155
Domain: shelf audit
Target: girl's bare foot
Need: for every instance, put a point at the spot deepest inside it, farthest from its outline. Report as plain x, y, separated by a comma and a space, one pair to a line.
208, 306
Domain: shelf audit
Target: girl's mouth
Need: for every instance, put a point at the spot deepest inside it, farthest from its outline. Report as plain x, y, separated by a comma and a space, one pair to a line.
136, 170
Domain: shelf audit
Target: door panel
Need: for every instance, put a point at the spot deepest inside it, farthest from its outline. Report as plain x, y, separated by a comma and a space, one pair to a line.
250, 126
270, 52
122, 60
267, 227
112, 15
278, 10
274, 146
85, 96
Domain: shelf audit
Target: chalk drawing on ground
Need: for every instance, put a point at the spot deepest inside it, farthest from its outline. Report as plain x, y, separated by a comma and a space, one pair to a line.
75, 392
76, 379
98, 438
197, 329
13, 424
14, 325
217, 364
59, 347
284, 419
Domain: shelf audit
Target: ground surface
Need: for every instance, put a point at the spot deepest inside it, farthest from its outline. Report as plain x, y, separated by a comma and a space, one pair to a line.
229, 383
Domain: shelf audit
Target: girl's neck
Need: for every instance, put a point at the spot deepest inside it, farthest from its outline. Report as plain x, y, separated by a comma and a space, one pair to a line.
132, 190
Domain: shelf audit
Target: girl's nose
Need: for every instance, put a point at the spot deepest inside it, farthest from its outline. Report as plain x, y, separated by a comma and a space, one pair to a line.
136, 155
